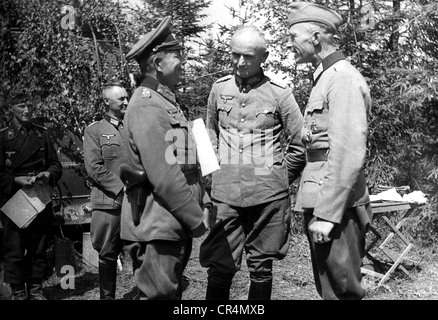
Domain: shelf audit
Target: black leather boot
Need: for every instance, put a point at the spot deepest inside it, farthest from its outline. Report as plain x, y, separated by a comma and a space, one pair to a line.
107, 280
35, 291
215, 292
260, 290
19, 291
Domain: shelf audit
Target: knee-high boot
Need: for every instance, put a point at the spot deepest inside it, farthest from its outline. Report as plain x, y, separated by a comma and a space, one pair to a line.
107, 279
260, 290
215, 292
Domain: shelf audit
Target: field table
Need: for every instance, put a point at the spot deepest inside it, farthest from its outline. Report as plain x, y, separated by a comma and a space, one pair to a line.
381, 210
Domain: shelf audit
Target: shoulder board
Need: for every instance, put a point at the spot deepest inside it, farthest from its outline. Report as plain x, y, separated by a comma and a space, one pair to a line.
278, 83
40, 127
3, 129
224, 78
94, 122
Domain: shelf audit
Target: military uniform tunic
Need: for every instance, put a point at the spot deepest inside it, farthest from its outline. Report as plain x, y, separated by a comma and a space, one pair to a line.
333, 186
161, 143
255, 127
245, 126
105, 149
25, 150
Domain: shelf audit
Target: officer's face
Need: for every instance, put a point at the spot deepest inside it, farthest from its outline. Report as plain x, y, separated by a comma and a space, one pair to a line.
23, 111
247, 56
301, 42
171, 68
117, 101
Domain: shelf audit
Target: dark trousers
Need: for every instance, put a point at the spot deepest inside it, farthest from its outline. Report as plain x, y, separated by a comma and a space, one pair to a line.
160, 266
24, 250
336, 264
105, 234
262, 231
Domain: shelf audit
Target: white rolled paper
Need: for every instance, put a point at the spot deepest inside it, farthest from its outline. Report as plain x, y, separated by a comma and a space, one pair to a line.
206, 156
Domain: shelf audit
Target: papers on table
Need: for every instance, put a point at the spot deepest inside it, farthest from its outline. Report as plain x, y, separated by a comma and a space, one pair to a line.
27, 203
417, 197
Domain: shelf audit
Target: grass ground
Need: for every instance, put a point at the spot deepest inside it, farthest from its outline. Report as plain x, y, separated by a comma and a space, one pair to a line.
293, 280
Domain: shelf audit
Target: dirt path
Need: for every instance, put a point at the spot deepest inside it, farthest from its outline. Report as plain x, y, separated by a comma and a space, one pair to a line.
293, 280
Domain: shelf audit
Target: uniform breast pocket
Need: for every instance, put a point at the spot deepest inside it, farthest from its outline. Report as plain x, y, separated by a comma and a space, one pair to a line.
265, 118
224, 114
178, 135
317, 116
110, 149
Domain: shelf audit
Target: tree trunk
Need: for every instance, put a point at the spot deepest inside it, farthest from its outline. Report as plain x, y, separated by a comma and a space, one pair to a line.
395, 35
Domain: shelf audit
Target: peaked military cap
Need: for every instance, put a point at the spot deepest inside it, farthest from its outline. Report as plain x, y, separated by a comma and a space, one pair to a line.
18, 96
309, 12
159, 39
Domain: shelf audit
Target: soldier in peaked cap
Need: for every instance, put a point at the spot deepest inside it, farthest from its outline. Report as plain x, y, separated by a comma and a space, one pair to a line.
333, 194
158, 226
25, 149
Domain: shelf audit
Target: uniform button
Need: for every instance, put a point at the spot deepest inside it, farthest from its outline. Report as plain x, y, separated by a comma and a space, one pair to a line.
242, 120
243, 105
240, 150
241, 135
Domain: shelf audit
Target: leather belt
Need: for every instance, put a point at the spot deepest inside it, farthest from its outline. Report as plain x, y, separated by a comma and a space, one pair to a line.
317, 155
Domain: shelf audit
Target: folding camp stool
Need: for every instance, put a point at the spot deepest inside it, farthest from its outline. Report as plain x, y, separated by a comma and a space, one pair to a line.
381, 209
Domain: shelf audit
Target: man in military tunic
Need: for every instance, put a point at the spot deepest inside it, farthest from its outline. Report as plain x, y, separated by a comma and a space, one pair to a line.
105, 149
161, 215
332, 192
247, 115
27, 158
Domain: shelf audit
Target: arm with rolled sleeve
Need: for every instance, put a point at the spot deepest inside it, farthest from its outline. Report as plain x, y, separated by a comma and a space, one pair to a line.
293, 123
164, 173
94, 164
348, 100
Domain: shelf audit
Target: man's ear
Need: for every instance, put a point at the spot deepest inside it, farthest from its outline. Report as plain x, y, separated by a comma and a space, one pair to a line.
265, 56
157, 63
316, 38
106, 101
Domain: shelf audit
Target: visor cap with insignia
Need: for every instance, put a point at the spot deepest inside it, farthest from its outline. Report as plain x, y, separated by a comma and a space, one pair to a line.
309, 12
159, 39
18, 96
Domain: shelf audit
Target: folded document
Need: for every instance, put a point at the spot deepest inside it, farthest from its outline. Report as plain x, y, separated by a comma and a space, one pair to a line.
27, 203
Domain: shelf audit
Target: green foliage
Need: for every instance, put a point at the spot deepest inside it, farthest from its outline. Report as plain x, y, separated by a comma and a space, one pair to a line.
63, 57
394, 45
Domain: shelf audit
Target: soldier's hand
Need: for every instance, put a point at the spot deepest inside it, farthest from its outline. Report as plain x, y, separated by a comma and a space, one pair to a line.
24, 181
320, 231
43, 177
203, 227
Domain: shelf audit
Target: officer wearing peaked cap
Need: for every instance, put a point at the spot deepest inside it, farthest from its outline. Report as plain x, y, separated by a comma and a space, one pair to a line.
26, 150
333, 194
159, 225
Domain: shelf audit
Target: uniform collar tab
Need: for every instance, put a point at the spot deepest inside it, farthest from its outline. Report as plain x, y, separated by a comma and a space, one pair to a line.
153, 84
246, 84
114, 121
328, 61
